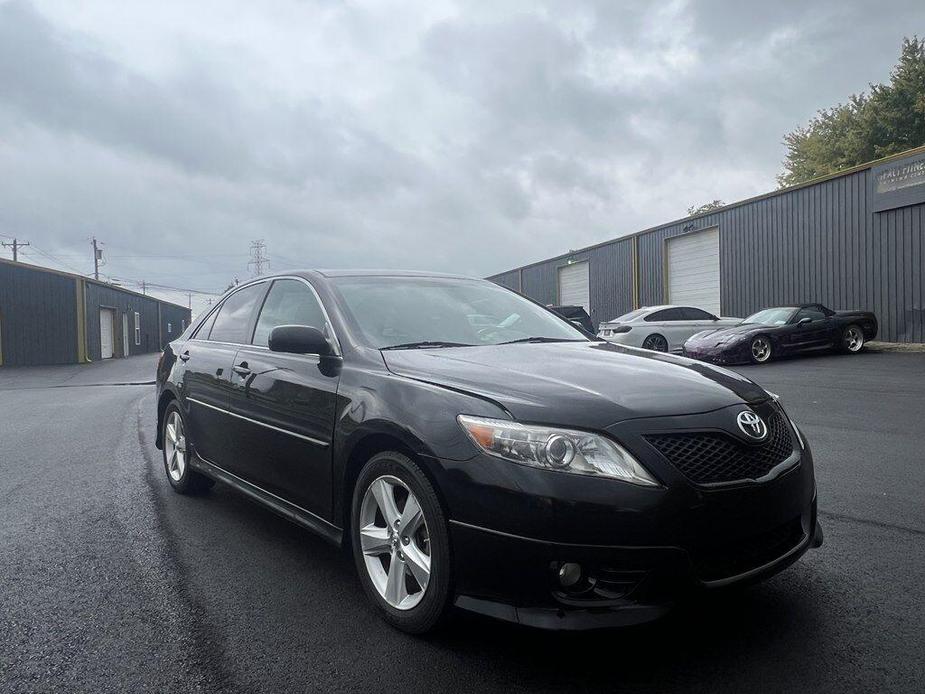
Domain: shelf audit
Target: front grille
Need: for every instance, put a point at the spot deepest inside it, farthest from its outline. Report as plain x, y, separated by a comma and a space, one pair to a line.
713, 458
732, 560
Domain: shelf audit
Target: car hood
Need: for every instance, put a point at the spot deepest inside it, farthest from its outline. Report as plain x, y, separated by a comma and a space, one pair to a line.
581, 384
712, 337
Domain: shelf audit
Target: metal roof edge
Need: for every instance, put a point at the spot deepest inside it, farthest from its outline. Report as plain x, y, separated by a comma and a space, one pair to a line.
74, 275
732, 205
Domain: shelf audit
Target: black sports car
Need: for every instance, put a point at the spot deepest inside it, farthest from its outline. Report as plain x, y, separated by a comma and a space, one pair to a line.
774, 332
576, 315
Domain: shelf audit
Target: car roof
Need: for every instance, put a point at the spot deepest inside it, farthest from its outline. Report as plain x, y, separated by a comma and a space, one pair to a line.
326, 273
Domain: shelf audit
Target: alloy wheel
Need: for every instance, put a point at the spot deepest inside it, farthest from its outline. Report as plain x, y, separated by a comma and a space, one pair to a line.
656, 343
395, 542
175, 446
854, 339
761, 349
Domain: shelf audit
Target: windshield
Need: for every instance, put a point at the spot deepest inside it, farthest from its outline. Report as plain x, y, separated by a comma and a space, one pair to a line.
771, 316
399, 311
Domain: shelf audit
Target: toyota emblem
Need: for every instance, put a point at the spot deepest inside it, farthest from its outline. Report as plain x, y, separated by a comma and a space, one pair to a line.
752, 425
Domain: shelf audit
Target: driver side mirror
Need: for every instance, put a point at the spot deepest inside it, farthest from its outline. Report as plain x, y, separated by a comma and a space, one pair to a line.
299, 339
804, 321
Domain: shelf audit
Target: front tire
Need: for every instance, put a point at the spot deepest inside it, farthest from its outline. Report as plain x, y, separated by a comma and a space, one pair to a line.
400, 543
852, 339
177, 453
760, 350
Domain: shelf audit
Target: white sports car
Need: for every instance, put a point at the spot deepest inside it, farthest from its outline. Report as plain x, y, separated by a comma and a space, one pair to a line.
661, 328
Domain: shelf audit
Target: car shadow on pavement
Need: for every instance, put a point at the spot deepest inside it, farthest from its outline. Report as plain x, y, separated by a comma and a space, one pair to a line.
727, 638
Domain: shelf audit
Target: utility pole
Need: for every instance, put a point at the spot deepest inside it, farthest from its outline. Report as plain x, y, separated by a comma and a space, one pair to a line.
97, 257
189, 300
259, 258
17, 244
144, 287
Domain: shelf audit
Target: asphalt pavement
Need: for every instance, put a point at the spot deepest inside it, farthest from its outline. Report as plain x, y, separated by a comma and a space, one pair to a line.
111, 582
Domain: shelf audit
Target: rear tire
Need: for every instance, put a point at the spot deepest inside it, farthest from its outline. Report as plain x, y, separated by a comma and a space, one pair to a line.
655, 342
407, 577
852, 340
760, 350
177, 453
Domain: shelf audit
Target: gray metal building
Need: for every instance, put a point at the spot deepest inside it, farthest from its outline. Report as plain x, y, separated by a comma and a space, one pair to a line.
52, 317
853, 240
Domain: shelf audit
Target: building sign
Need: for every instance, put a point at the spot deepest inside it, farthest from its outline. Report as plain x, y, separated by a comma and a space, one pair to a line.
898, 183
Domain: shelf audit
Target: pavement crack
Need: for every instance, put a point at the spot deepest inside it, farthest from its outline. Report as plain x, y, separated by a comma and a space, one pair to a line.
81, 385
867, 521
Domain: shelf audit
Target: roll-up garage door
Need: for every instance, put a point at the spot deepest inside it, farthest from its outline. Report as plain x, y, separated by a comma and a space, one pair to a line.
574, 287
693, 270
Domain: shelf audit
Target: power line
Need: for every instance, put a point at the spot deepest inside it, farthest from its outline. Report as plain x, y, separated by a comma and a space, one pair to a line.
57, 259
155, 285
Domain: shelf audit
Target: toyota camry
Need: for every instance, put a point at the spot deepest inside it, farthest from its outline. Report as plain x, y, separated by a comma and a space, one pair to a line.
473, 449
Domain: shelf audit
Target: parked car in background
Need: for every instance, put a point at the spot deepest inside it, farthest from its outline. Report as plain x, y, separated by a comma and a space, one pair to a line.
661, 328
575, 315
513, 466
782, 330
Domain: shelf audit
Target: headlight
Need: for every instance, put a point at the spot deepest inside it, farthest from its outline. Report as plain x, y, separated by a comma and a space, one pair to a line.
776, 398
555, 449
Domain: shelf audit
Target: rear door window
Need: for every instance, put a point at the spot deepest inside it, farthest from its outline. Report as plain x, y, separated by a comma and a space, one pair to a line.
667, 314
691, 313
235, 316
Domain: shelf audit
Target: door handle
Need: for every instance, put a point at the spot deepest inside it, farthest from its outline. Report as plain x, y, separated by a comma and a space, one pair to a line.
241, 369
185, 356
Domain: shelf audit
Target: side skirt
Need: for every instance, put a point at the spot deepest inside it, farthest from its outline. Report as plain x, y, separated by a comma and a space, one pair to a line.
278, 505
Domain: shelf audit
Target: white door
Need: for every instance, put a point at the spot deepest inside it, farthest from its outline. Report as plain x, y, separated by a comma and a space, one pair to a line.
106, 318
693, 270
574, 286
124, 334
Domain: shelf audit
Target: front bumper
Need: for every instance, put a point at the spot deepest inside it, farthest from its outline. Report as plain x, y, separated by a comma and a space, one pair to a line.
641, 549
718, 354
516, 579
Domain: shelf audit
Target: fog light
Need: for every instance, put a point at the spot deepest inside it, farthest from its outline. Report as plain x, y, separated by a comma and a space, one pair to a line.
569, 574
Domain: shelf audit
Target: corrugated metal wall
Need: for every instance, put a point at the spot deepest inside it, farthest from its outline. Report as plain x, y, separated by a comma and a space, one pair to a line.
610, 272
38, 316
511, 280
817, 243
173, 319
102, 296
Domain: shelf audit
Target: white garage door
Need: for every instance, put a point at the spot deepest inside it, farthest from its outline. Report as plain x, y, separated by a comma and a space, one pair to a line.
573, 286
106, 316
693, 270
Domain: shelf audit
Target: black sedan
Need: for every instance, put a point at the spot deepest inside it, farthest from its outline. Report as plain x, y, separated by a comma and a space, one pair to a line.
775, 332
518, 468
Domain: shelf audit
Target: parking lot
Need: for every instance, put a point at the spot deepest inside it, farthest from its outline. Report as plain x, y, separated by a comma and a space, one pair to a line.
111, 582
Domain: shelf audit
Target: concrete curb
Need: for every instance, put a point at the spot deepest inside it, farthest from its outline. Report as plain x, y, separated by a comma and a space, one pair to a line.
911, 347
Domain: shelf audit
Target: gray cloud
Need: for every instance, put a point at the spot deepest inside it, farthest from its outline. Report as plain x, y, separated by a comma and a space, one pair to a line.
463, 137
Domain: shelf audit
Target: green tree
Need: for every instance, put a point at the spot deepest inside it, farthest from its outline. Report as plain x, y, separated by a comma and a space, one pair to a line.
706, 207
890, 119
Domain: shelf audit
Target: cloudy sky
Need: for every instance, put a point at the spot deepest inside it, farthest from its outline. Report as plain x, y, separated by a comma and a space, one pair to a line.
458, 136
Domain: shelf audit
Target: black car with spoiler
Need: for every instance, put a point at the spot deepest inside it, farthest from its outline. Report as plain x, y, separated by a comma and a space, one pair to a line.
775, 332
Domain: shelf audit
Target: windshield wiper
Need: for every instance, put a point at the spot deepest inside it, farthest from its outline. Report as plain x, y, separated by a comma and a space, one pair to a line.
426, 344
537, 340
